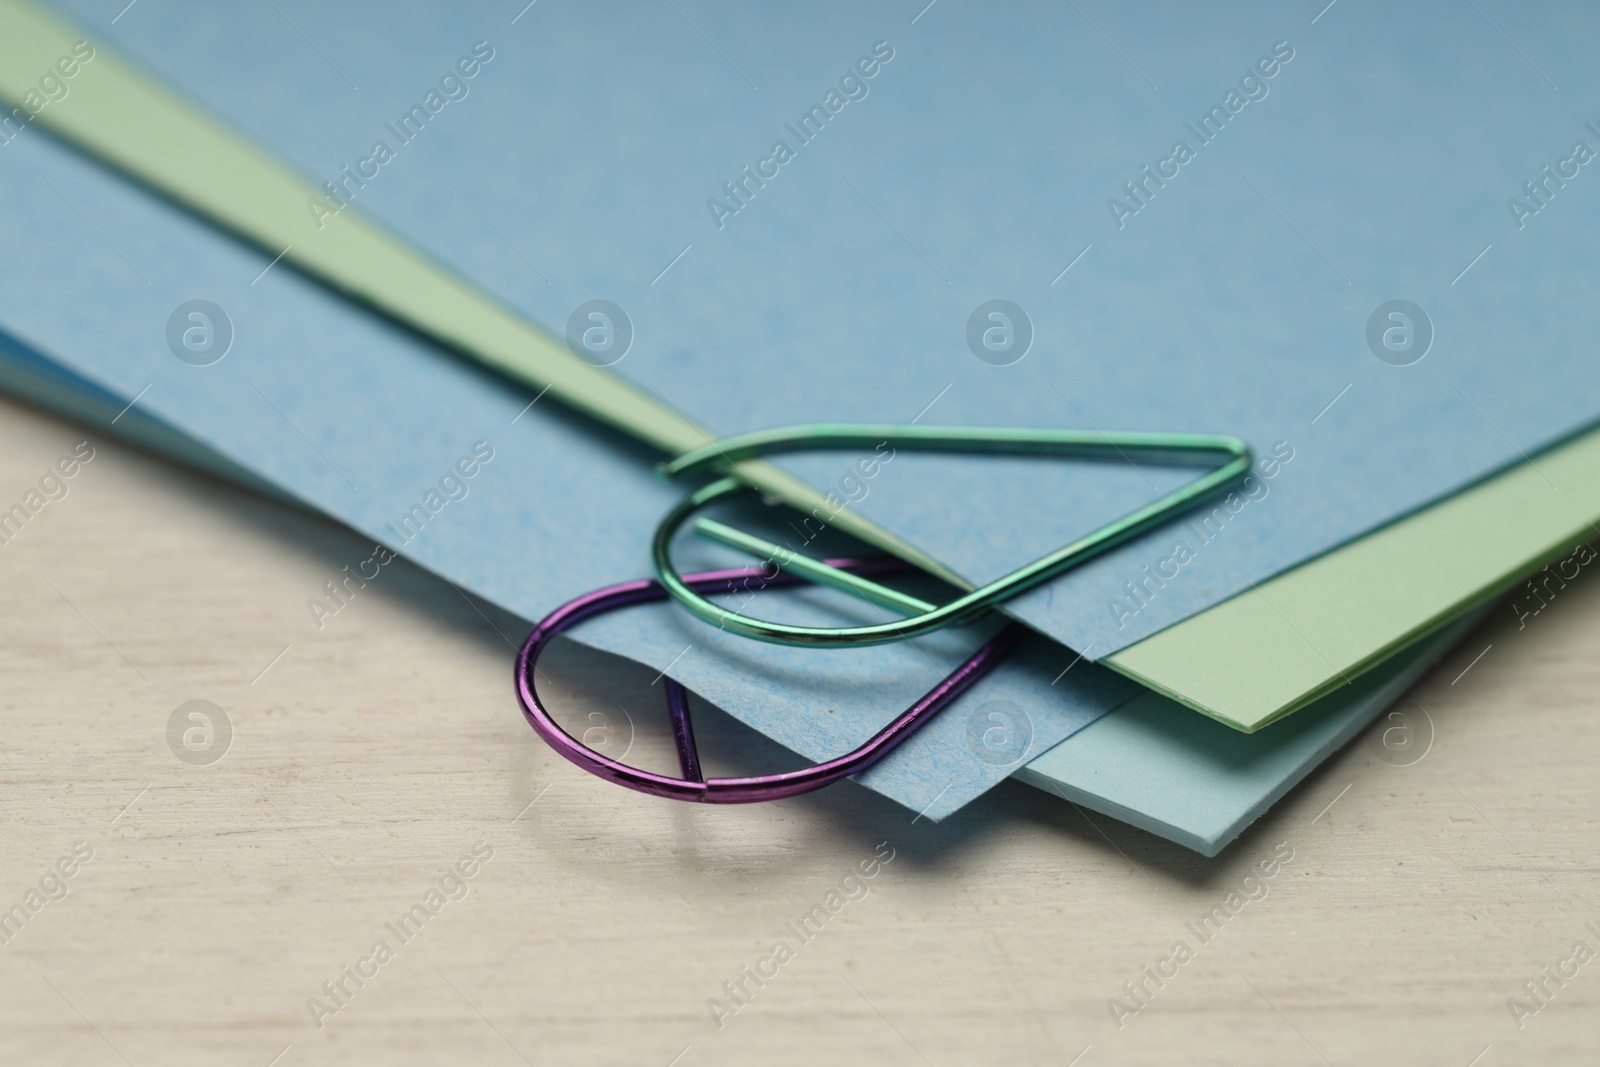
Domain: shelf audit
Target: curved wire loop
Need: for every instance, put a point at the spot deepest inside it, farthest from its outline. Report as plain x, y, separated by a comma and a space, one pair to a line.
691, 786
1230, 453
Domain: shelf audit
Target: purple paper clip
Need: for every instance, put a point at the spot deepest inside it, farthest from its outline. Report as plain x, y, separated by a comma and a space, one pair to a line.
692, 786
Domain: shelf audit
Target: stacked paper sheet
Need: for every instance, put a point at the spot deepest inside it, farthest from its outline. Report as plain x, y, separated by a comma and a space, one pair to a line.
974, 218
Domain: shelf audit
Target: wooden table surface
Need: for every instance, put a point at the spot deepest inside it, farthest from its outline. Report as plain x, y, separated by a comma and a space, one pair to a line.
214, 904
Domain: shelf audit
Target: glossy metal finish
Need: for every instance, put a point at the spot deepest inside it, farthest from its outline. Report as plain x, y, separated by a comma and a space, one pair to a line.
1230, 455
731, 790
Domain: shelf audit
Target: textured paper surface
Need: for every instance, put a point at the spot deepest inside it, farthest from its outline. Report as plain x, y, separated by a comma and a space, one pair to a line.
1194, 781
122, 117
1309, 631
127, 117
362, 421
1376, 165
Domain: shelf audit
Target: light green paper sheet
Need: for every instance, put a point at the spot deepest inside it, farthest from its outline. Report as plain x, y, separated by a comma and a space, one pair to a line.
1310, 631
120, 115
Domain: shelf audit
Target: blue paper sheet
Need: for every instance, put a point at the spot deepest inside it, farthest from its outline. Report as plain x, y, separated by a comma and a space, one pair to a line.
526, 506
1331, 165
1193, 780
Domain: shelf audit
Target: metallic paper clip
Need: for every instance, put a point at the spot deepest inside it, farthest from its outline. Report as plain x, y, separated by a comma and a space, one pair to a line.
692, 786
1231, 455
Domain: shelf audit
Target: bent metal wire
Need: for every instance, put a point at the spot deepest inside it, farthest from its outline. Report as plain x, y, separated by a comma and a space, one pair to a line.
692, 786
1233, 459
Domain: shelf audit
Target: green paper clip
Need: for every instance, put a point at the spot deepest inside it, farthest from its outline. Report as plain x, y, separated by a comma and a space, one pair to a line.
1230, 453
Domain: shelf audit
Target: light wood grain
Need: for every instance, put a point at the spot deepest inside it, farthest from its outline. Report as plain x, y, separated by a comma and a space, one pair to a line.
379, 750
